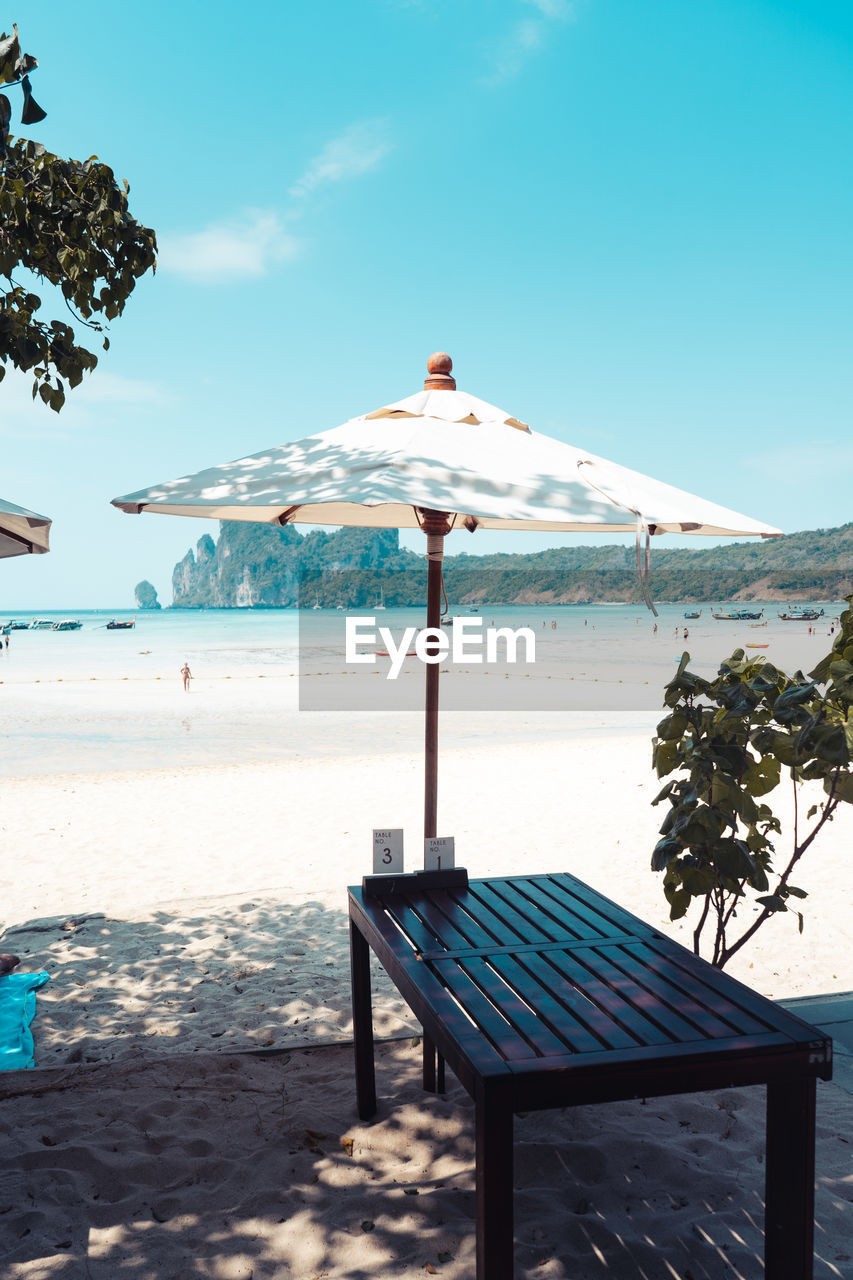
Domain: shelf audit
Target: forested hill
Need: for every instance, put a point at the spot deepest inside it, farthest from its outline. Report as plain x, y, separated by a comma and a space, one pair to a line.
267, 566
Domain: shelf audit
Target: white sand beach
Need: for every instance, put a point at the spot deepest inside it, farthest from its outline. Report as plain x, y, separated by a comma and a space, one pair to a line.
188, 913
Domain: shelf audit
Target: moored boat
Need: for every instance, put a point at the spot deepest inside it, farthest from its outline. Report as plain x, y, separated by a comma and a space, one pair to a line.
42, 624
738, 615
694, 615
67, 624
801, 615
116, 624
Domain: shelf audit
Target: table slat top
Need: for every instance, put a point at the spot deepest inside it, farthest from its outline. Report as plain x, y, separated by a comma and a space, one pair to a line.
530, 970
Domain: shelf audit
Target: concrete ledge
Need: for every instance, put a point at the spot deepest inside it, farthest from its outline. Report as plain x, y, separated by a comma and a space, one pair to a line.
833, 1014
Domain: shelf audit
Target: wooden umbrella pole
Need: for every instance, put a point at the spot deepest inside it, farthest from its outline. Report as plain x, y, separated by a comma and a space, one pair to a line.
436, 526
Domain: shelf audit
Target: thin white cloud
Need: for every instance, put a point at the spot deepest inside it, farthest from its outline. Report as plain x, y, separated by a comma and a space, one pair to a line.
511, 54
102, 387
22, 417
248, 246
245, 247
356, 151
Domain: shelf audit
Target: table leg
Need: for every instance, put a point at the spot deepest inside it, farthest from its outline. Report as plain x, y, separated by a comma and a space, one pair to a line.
362, 1023
428, 1064
433, 1067
494, 1190
790, 1174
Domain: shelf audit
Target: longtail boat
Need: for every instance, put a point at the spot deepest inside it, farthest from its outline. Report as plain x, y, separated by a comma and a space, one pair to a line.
738, 615
801, 615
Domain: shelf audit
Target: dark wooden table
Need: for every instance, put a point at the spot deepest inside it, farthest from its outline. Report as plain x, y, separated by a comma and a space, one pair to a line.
539, 992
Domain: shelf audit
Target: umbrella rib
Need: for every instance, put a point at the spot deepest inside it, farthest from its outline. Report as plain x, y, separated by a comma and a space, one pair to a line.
287, 516
16, 537
585, 462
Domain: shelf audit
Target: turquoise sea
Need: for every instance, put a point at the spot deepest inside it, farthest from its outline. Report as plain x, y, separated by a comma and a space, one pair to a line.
239, 642
94, 699
221, 641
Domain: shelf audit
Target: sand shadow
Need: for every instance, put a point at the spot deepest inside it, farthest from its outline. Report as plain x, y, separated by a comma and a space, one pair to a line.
251, 1168
231, 973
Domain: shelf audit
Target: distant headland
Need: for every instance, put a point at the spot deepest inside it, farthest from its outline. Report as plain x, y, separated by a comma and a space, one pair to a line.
263, 566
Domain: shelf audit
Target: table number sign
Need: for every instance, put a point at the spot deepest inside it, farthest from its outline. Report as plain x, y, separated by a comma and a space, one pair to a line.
439, 853
387, 850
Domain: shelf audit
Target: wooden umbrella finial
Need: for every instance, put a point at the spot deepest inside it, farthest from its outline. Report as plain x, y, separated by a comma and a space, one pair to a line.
440, 378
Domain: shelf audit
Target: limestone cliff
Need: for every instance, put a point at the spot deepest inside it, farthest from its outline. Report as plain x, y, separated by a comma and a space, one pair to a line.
252, 565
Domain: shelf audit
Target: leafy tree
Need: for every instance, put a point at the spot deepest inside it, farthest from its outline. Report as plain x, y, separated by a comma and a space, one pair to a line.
67, 222
732, 741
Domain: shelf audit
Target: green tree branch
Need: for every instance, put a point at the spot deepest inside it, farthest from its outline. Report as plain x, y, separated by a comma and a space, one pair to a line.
729, 741
68, 223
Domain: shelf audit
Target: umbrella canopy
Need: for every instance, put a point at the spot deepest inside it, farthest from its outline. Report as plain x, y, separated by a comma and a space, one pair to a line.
439, 450
438, 460
22, 532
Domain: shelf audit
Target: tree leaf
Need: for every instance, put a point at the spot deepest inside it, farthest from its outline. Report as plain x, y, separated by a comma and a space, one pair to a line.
664, 852
773, 902
841, 674
679, 902
840, 786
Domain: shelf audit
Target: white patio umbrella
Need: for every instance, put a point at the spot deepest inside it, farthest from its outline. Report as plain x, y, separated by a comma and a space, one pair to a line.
22, 532
441, 460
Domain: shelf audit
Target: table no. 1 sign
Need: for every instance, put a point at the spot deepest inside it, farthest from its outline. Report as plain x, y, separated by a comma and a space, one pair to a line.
439, 853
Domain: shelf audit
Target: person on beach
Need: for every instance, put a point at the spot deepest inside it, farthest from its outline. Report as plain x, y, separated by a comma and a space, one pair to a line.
186, 676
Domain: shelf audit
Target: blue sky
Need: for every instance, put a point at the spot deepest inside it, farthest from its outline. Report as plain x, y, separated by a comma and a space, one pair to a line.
628, 223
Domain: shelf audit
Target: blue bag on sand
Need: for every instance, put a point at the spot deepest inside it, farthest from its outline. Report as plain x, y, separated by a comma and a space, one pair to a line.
17, 1010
